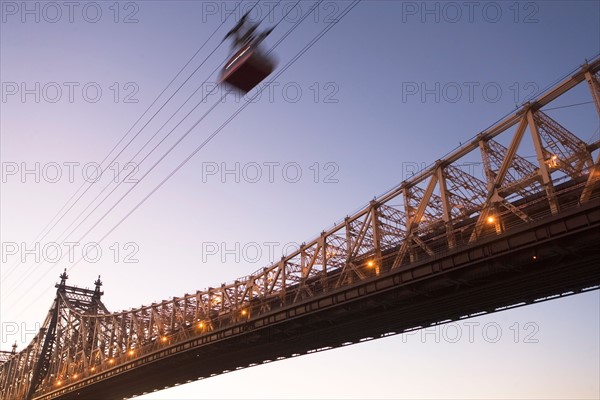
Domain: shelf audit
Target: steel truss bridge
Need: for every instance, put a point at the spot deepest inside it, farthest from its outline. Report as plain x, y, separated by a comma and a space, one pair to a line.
442, 246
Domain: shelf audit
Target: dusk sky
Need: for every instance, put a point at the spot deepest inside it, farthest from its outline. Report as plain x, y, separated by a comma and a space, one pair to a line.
390, 89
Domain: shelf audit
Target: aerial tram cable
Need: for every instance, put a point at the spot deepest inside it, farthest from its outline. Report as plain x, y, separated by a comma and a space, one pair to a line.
214, 50
79, 198
220, 128
170, 132
155, 134
215, 133
33, 267
201, 102
155, 164
52, 222
138, 163
569, 105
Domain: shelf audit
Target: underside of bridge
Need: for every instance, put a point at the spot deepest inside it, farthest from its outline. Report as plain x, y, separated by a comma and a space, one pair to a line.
538, 262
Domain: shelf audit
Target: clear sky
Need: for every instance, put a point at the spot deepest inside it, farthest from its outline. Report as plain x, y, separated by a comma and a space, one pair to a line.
392, 87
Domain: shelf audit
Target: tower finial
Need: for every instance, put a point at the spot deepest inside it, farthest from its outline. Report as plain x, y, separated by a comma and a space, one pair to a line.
97, 292
14, 348
63, 278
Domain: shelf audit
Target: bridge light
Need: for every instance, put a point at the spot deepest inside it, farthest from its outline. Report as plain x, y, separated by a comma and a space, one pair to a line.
244, 313
552, 161
370, 263
131, 352
111, 361
201, 325
93, 369
58, 383
163, 339
491, 219
75, 376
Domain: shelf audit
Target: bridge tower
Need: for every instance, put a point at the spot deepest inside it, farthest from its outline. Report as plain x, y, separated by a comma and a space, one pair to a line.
52, 356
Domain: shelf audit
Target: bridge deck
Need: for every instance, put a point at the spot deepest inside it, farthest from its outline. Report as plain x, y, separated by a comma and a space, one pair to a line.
488, 276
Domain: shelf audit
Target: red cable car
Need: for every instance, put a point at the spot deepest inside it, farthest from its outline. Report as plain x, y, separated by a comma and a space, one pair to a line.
247, 68
249, 65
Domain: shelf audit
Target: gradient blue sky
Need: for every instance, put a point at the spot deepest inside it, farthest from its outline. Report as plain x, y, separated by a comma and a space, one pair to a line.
362, 121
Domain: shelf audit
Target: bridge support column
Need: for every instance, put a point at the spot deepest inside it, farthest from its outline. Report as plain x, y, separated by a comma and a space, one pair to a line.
542, 163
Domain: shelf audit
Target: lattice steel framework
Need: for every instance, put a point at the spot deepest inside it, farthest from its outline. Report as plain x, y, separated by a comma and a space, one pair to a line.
438, 209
